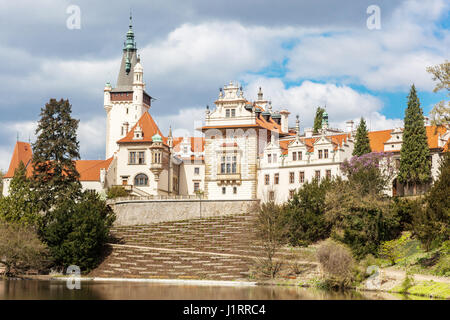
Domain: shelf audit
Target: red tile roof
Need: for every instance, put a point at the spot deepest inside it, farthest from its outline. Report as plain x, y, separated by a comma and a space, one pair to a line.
22, 152
149, 129
89, 170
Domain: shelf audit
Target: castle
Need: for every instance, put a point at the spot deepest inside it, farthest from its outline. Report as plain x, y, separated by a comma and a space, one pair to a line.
247, 149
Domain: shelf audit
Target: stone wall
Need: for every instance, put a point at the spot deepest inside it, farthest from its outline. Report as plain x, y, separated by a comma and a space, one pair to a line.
147, 211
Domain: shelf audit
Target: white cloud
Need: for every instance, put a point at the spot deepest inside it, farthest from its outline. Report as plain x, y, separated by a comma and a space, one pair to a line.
183, 123
388, 59
342, 102
92, 136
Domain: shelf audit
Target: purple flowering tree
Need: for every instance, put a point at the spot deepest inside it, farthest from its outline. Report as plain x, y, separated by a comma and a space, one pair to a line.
369, 173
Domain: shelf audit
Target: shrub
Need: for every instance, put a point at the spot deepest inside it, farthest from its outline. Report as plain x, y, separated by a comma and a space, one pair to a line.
116, 191
76, 231
405, 209
21, 249
337, 263
392, 250
303, 215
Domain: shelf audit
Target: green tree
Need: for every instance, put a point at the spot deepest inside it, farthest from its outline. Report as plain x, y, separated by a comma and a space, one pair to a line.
360, 221
318, 119
268, 228
415, 167
55, 177
76, 232
362, 143
304, 214
431, 224
19, 206
441, 112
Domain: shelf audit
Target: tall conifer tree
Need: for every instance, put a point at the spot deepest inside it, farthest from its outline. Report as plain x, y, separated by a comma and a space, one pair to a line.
55, 177
362, 143
415, 166
318, 119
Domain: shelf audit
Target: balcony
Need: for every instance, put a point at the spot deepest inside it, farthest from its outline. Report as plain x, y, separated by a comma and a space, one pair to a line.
228, 178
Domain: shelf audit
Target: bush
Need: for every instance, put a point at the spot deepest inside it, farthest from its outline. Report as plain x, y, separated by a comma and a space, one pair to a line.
21, 249
303, 215
337, 263
117, 191
405, 209
76, 231
392, 250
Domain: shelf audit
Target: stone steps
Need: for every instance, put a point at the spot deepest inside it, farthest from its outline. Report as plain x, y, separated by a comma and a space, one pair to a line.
220, 248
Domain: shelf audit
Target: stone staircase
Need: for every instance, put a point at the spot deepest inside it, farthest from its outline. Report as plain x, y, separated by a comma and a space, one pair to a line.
219, 248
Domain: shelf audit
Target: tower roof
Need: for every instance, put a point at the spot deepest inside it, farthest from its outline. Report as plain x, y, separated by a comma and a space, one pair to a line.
129, 60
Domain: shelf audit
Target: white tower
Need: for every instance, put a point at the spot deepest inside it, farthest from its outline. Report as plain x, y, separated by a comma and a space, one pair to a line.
127, 102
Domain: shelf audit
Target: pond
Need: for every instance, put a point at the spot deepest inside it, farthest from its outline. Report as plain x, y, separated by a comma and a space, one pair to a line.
108, 290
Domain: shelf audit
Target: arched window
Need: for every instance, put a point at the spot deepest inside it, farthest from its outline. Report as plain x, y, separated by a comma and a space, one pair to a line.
141, 180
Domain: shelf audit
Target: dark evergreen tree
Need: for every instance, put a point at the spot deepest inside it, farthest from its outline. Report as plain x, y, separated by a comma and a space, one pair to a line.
362, 143
55, 177
318, 119
415, 164
431, 224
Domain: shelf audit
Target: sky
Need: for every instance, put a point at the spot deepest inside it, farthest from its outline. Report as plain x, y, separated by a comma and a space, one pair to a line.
303, 54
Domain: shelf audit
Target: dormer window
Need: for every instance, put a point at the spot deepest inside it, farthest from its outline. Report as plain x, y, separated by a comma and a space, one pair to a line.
325, 153
269, 158
138, 134
233, 112
227, 113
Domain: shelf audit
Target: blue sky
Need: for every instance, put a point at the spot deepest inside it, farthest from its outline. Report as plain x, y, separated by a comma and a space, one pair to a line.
302, 53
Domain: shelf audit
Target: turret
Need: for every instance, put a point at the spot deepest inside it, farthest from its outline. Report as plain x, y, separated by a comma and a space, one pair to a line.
138, 83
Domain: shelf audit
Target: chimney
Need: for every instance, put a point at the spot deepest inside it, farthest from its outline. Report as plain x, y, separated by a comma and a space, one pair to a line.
284, 120
349, 126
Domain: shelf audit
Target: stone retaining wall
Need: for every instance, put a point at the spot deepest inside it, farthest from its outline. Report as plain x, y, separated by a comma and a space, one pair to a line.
144, 211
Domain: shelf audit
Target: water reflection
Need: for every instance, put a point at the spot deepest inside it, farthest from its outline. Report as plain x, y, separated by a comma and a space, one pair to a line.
37, 289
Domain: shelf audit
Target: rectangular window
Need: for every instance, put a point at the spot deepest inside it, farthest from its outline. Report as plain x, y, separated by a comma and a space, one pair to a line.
302, 176
325, 153
294, 156
141, 157
269, 158
291, 194
196, 170
227, 113
132, 158
320, 154
317, 174
228, 164
233, 112
291, 177
274, 158
276, 178
224, 190
235, 190
299, 155
196, 186
271, 196
266, 179
328, 174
